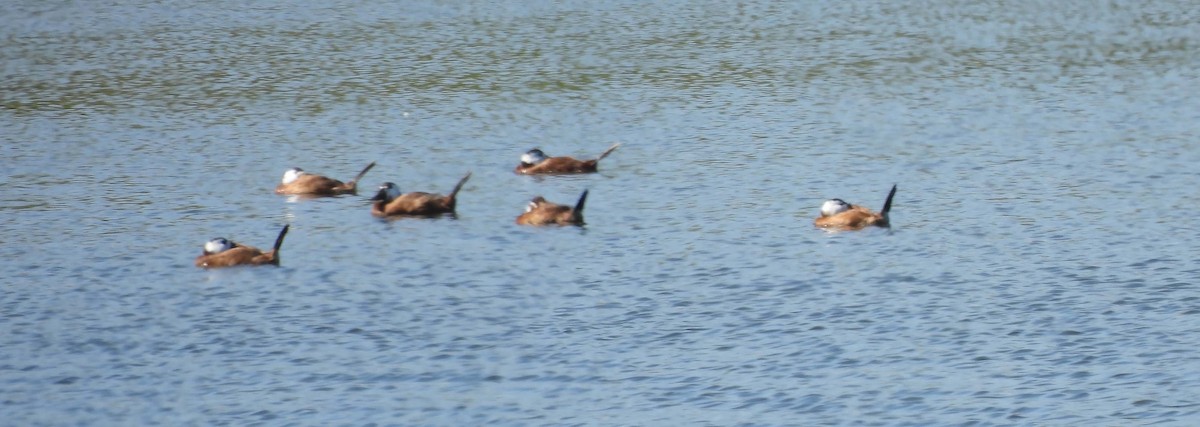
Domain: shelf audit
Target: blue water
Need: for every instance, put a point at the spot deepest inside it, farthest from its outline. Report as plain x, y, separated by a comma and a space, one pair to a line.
1041, 268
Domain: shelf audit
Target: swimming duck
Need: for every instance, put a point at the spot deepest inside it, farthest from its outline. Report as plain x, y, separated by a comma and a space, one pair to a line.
297, 181
541, 212
837, 214
388, 201
535, 162
222, 252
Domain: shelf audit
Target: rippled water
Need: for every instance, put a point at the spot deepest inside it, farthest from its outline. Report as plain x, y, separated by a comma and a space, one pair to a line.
1041, 269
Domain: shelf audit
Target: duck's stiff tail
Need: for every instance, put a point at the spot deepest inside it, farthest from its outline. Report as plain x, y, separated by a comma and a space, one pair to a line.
887, 204
279, 242
608, 151
577, 213
454, 193
360, 174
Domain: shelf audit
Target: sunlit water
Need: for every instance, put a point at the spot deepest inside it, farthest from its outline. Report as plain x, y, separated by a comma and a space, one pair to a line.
1041, 269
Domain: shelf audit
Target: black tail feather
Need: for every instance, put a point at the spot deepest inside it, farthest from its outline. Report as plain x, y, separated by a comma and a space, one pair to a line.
279, 240
887, 205
608, 151
577, 213
457, 187
364, 172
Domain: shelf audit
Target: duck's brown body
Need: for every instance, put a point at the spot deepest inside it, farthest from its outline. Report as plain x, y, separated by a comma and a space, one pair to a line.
857, 217
242, 255
542, 212
318, 185
416, 203
562, 165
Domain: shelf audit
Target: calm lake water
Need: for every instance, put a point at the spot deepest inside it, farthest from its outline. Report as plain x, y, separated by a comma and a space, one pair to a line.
1041, 270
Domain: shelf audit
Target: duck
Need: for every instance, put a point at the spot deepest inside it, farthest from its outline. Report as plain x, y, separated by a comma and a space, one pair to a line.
222, 252
388, 201
541, 212
836, 214
535, 162
297, 181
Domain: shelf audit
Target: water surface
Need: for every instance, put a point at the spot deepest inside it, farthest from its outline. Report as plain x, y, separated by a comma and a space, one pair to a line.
1040, 270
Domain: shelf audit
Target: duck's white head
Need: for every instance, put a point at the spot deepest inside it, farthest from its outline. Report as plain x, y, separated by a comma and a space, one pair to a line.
217, 245
533, 204
533, 157
834, 207
291, 175
387, 192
